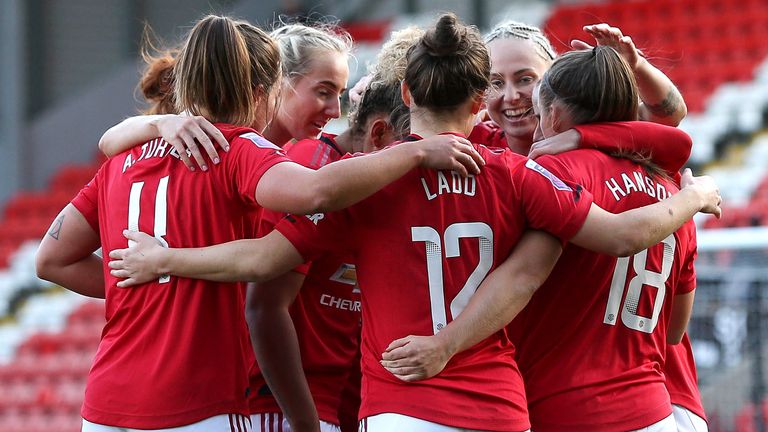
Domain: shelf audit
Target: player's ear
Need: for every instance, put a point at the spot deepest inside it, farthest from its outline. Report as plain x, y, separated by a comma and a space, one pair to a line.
379, 133
405, 93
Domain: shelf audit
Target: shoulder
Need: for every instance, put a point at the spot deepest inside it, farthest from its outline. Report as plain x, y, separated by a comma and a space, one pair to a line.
314, 153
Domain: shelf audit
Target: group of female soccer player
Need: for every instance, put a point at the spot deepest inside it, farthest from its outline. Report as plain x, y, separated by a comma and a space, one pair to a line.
434, 244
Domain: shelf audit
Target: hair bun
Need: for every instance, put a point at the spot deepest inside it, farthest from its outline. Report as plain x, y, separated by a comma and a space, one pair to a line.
446, 38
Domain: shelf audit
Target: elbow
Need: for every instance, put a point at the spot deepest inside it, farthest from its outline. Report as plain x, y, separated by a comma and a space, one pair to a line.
104, 146
45, 267
323, 199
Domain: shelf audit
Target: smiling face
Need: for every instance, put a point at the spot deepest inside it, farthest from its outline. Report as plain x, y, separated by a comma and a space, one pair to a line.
311, 100
516, 67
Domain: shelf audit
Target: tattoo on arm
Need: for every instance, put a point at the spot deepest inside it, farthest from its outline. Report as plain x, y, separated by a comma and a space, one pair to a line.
668, 106
56, 227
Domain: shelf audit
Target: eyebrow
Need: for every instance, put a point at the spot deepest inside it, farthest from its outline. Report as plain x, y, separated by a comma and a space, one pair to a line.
332, 85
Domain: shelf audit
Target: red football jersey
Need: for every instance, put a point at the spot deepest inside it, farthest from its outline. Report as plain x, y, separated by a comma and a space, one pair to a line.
326, 313
422, 246
681, 378
667, 146
176, 350
488, 134
591, 341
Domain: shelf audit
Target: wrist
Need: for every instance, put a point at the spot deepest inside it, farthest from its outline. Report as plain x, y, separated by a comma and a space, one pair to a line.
449, 346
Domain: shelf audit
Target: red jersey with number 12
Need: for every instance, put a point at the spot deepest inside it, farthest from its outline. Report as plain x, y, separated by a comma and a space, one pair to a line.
173, 351
422, 246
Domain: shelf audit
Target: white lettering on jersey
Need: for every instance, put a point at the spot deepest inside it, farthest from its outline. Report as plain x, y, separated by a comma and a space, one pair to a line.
556, 182
315, 218
259, 140
156, 148
457, 185
623, 184
340, 303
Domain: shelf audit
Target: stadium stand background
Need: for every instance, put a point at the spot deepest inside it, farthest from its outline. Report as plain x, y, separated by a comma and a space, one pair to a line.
70, 69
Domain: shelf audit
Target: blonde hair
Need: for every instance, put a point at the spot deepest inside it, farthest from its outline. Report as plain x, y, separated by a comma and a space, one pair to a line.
300, 43
221, 65
392, 59
517, 30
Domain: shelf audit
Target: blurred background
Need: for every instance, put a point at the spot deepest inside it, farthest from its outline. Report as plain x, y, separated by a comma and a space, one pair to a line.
69, 71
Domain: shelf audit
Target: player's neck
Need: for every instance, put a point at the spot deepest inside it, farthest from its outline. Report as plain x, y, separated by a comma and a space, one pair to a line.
429, 125
344, 141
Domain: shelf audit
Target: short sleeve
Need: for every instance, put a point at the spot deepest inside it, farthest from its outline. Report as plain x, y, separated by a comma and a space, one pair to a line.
687, 280
87, 201
668, 147
488, 134
267, 222
319, 233
557, 206
252, 155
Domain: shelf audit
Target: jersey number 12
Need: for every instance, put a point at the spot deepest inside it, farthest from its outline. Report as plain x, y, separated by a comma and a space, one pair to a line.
452, 234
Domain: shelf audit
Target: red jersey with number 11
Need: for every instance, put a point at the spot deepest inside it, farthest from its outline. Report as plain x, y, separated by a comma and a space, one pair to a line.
173, 351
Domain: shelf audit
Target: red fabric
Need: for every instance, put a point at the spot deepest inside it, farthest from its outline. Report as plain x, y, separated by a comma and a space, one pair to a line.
397, 234
668, 147
682, 381
178, 352
326, 312
582, 374
488, 134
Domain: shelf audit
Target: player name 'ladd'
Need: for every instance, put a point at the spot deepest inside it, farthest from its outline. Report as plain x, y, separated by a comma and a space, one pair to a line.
456, 185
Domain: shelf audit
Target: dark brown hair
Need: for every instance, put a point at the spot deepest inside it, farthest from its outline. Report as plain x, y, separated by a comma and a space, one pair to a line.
221, 65
594, 85
448, 65
379, 97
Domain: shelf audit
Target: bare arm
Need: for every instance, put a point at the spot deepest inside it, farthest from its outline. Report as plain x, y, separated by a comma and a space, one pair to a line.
295, 189
500, 297
240, 260
682, 306
66, 257
627, 233
182, 132
661, 101
274, 340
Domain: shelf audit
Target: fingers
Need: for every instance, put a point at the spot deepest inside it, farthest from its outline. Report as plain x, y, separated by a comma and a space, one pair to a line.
117, 254
397, 343
127, 283
133, 235
580, 45
182, 151
120, 273
191, 145
214, 133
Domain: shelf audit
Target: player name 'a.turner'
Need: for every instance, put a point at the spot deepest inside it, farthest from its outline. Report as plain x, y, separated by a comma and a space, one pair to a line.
623, 185
456, 185
158, 147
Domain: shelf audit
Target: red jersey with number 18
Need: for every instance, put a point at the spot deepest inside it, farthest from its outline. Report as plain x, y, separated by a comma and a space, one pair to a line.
591, 341
173, 351
422, 246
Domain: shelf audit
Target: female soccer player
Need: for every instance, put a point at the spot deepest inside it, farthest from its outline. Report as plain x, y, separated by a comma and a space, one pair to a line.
591, 342
424, 244
160, 347
521, 54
